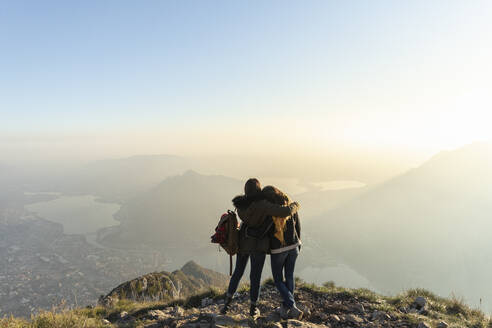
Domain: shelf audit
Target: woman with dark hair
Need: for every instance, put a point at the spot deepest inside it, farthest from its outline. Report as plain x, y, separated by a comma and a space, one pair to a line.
285, 242
253, 209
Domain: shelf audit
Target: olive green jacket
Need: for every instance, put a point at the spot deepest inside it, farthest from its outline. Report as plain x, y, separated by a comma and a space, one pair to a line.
253, 215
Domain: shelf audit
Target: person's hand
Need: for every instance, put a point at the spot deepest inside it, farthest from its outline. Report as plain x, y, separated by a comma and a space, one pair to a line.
296, 204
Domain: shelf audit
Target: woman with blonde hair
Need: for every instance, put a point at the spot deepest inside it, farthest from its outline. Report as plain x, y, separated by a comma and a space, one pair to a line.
254, 243
285, 243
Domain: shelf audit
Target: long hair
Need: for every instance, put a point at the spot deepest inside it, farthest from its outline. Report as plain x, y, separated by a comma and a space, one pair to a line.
252, 186
252, 193
275, 195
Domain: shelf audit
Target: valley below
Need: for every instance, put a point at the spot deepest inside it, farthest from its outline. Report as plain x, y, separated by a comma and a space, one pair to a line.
67, 249
426, 228
41, 267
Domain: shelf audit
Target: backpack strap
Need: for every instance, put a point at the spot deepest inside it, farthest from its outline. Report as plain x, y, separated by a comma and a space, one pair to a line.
294, 219
234, 213
230, 265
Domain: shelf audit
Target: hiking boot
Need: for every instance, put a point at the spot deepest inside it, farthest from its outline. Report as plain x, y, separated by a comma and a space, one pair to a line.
227, 304
295, 313
283, 311
254, 311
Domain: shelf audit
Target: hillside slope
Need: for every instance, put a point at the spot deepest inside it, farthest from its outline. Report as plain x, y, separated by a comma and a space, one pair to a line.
178, 215
427, 228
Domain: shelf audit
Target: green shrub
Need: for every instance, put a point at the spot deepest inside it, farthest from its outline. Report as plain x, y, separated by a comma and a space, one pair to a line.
243, 288
298, 280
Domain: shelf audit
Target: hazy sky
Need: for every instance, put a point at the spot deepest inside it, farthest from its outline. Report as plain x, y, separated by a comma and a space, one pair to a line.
111, 78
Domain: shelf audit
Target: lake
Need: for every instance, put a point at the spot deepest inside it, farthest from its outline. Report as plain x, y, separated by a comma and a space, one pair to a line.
296, 186
78, 214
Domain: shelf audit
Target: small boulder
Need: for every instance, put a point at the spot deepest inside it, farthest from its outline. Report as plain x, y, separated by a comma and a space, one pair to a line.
358, 308
178, 311
206, 301
272, 316
304, 308
157, 315
380, 316
442, 324
155, 325
207, 317
354, 319
302, 324
423, 325
186, 325
126, 319
295, 323
420, 302
334, 318
275, 325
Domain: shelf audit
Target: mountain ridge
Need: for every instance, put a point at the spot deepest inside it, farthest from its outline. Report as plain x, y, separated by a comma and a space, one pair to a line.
422, 228
190, 203
165, 286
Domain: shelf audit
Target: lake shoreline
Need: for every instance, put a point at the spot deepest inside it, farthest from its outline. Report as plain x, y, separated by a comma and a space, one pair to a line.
79, 214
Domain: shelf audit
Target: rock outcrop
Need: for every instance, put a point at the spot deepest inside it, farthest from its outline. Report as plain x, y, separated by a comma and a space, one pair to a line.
164, 286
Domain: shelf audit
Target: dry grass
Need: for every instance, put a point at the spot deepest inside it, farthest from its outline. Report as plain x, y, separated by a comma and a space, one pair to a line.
452, 310
52, 319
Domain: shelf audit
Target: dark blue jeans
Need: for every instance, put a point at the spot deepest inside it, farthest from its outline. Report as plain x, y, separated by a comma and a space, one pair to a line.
284, 264
257, 262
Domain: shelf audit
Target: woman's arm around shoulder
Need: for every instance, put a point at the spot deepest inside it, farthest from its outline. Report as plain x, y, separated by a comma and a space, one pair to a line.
281, 211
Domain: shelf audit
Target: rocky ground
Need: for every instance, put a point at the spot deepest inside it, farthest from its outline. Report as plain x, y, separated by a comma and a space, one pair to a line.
322, 306
327, 306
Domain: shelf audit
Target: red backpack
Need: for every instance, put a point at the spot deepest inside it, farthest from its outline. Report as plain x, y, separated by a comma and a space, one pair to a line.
227, 235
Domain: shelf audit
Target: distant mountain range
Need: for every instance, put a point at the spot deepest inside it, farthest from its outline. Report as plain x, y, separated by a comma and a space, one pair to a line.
117, 180
113, 180
120, 179
429, 227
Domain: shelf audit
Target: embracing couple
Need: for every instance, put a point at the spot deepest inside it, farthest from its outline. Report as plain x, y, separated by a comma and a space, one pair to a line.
270, 225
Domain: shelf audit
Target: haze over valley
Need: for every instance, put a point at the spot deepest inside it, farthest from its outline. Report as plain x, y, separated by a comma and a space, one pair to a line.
426, 227
127, 127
